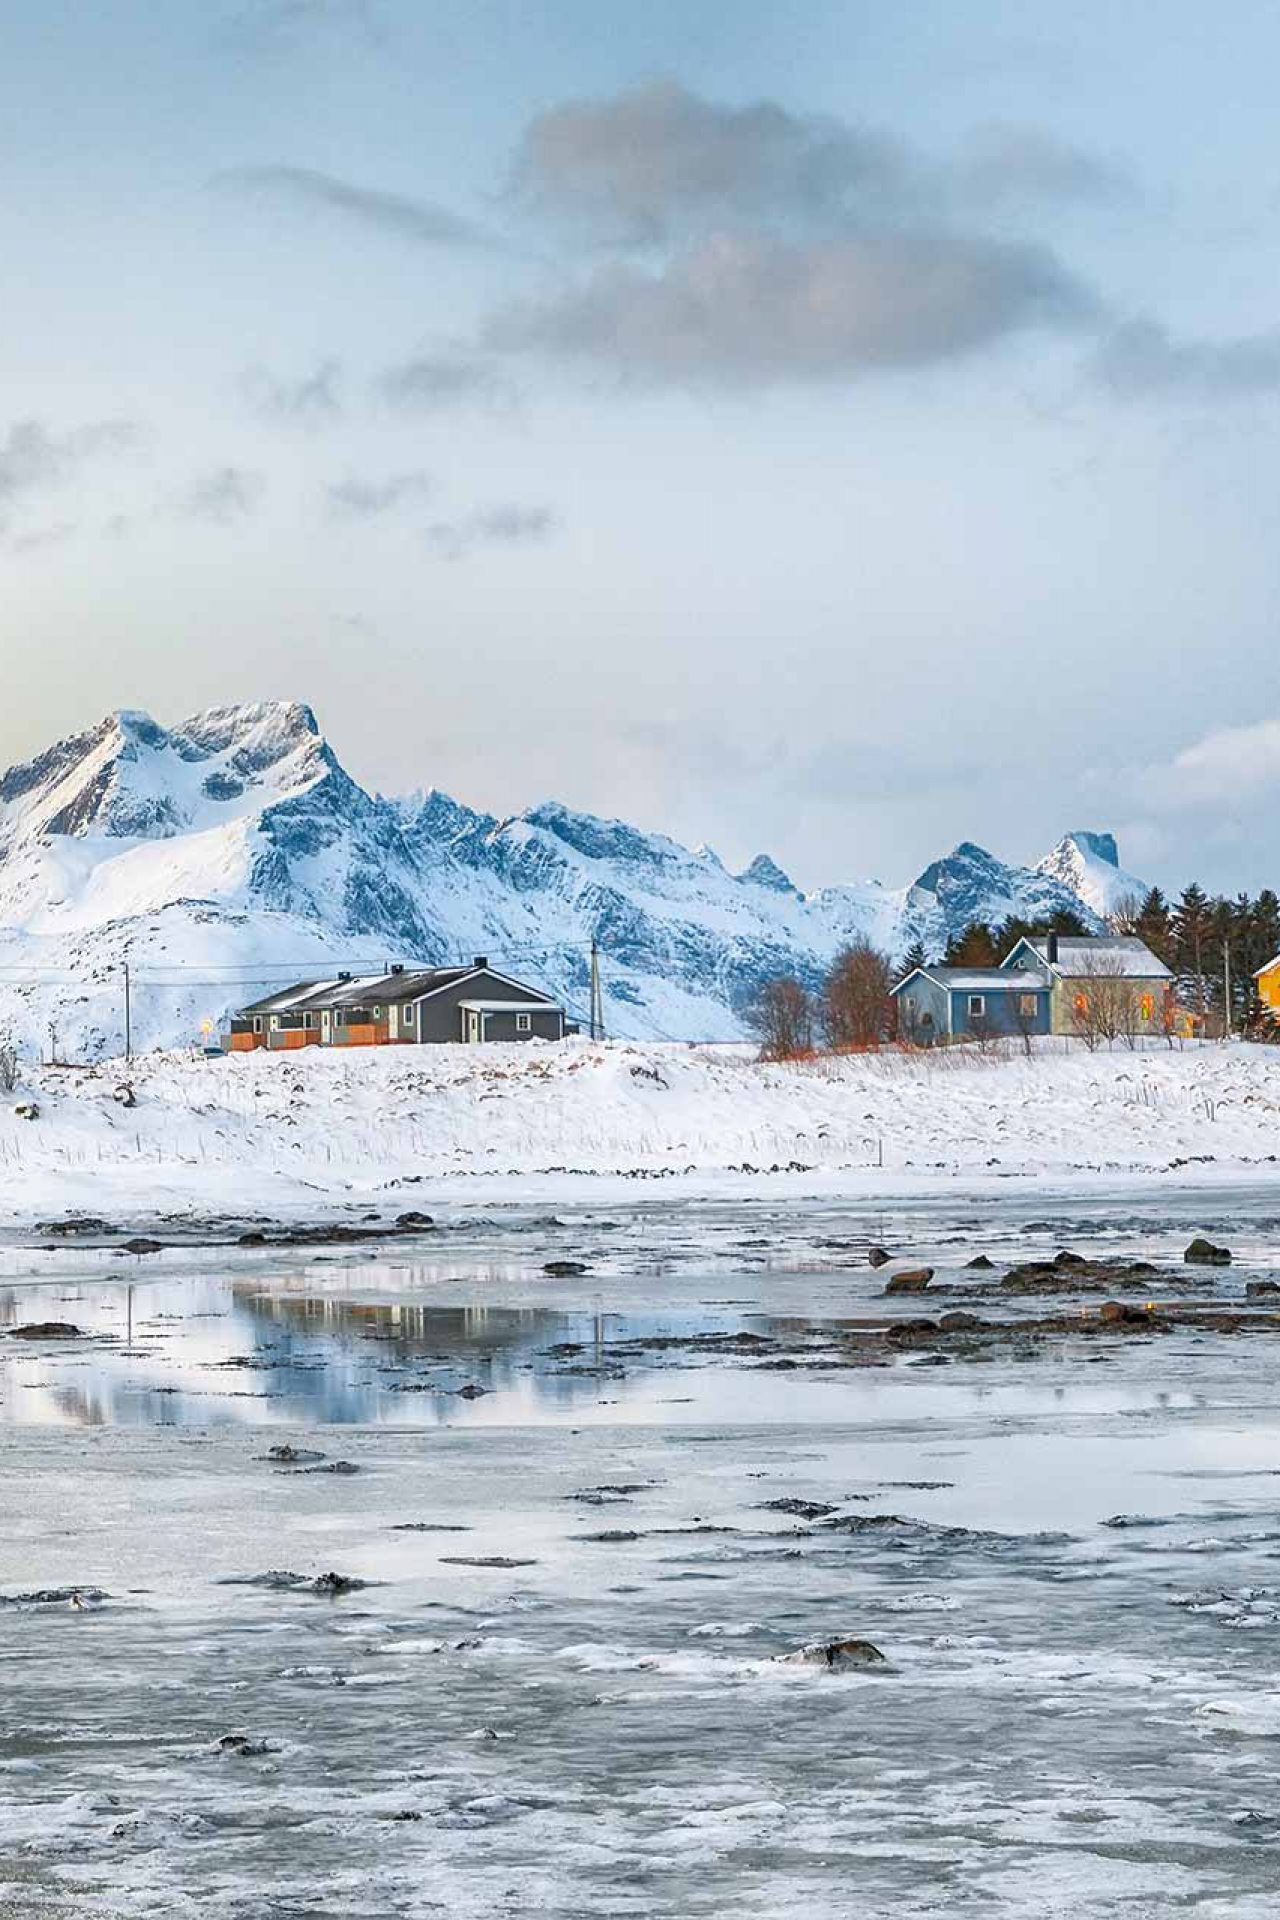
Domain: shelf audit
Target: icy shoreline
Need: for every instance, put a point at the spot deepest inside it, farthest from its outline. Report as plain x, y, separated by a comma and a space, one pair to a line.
315, 1136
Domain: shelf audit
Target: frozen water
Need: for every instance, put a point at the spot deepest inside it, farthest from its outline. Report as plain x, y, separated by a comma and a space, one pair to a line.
1075, 1716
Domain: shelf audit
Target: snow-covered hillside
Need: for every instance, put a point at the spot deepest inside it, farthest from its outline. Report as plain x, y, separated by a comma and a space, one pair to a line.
304, 1134
233, 853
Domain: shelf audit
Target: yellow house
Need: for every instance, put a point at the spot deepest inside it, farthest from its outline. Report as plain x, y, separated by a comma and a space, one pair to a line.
1268, 979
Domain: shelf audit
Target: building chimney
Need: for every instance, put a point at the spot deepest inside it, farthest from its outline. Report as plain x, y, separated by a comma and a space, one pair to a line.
1051, 950
480, 960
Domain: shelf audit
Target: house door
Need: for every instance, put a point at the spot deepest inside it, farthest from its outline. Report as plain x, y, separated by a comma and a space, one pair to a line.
473, 1027
324, 1029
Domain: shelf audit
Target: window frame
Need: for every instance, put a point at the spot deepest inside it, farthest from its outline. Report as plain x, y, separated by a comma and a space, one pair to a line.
524, 1023
977, 1006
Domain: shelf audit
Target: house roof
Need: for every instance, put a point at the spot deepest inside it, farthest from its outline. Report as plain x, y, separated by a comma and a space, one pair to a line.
1120, 954
978, 980
1269, 968
384, 989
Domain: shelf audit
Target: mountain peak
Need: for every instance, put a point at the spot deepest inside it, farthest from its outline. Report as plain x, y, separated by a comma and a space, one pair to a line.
1101, 846
765, 872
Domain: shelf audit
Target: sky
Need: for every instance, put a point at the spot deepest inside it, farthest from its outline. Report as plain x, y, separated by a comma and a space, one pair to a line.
830, 429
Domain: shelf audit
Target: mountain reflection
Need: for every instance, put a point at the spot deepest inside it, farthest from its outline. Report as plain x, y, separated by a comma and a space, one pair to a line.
203, 1352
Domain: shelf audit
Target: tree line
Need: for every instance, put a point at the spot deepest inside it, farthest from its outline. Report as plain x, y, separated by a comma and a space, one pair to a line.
1213, 947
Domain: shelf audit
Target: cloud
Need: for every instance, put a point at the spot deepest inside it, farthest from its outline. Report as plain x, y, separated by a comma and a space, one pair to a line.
640, 162
419, 221
224, 497
34, 458
508, 525
307, 402
369, 499
754, 308
429, 383
1143, 360
1006, 162
1224, 768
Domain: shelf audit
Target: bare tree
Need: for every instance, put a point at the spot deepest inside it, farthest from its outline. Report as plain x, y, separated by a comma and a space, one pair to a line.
8, 1066
1024, 1017
856, 1008
1107, 1004
782, 1016
1124, 913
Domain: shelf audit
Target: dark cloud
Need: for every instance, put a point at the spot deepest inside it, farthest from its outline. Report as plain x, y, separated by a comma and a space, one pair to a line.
34, 457
224, 497
1143, 360
429, 383
508, 524
308, 402
369, 499
419, 221
639, 163
756, 308
1023, 163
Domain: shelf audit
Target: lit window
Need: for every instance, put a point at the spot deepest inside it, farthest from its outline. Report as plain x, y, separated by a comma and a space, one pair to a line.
1082, 1004
1027, 1006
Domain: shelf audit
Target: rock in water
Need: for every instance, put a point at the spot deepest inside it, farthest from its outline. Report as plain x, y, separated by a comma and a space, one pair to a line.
565, 1269
914, 1280
1203, 1253
834, 1654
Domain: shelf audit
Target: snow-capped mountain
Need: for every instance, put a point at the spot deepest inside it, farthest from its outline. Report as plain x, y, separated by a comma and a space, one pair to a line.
234, 853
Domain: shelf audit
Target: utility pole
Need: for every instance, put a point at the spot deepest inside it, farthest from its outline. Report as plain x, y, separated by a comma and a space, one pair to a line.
128, 1015
1226, 990
597, 998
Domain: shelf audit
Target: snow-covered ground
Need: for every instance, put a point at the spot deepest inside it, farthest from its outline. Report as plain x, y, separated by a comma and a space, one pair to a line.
297, 1134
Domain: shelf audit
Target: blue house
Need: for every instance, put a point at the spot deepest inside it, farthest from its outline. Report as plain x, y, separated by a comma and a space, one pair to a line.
971, 1003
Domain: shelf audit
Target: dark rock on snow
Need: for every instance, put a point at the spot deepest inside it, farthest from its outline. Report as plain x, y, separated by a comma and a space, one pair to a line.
47, 1330
834, 1654
565, 1269
877, 1257
1203, 1253
913, 1280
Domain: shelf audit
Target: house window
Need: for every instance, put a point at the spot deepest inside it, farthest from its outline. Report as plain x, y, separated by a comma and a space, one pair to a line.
977, 1006
1081, 1005
406, 1017
523, 1023
275, 1019
1027, 1006
1147, 1005
377, 1013
257, 1024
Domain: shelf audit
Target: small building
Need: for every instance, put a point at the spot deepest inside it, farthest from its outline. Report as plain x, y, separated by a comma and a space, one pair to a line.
1083, 968
938, 1004
1267, 981
400, 1008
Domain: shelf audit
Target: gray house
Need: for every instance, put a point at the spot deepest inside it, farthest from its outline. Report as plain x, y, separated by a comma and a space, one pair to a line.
969, 1003
399, 1008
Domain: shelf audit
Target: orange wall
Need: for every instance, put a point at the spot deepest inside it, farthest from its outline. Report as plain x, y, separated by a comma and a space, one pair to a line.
1269, 987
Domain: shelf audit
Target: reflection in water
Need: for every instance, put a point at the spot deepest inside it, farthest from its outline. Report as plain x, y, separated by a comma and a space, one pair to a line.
200, 1352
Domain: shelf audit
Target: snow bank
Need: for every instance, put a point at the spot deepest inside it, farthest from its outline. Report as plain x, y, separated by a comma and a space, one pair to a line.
285, 1133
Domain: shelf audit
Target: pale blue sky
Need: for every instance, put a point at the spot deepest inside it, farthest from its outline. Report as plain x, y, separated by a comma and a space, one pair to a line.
838, 429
